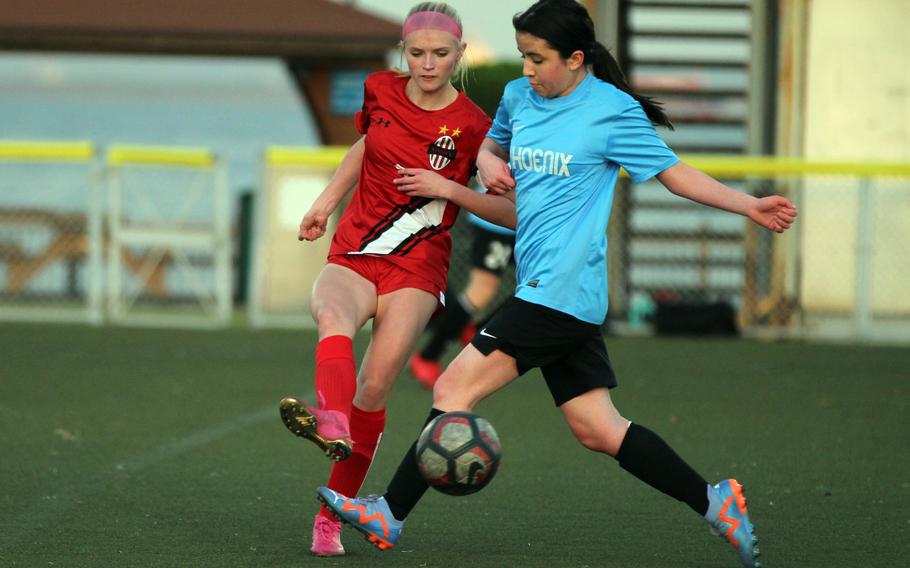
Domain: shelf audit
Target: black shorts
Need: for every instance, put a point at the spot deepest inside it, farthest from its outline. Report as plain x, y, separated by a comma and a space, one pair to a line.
491, 251
570, 352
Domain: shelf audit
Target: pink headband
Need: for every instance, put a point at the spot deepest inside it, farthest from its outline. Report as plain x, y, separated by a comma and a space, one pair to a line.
430, 21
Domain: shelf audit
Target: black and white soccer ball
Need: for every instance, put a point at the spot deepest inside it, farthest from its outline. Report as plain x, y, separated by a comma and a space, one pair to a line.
458, 453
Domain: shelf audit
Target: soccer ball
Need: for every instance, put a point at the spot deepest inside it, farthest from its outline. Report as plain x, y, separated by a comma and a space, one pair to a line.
458, 453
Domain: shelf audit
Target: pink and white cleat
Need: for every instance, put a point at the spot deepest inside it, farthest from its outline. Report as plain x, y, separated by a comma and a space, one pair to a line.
326, 537
328, 429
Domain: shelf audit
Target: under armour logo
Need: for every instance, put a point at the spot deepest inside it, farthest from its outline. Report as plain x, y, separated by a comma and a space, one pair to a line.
383, 122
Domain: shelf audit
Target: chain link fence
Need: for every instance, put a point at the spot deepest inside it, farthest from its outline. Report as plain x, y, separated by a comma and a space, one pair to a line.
49, 231
153, 248
838, 273
168, 249
161, 242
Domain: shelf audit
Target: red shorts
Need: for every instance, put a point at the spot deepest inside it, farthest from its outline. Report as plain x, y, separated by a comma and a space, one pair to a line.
386, 275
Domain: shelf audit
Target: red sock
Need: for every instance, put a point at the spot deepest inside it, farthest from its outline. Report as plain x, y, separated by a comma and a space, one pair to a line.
336, 374
348, 475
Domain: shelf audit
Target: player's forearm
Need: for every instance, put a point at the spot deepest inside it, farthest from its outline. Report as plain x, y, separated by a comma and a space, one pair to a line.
691, 183
488, 145
498, 209
344, 179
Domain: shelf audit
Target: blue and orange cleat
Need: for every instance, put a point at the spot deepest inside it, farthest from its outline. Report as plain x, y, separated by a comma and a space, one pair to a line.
729, 519
371, 516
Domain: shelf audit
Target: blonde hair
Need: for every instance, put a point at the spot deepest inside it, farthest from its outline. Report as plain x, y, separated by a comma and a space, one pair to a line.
461, 68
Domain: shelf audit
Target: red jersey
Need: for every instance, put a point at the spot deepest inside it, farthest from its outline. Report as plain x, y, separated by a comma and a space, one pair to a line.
412, 232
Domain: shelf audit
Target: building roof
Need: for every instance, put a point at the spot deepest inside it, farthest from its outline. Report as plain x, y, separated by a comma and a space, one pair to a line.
284, 28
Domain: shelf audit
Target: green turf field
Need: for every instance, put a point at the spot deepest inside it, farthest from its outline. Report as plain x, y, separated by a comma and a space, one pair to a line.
126, 447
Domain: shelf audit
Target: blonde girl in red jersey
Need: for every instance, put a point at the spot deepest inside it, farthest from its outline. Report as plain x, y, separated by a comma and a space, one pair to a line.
389, 257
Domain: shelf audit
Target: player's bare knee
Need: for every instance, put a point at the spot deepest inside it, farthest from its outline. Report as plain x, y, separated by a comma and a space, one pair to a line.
330, 318
593, 438
442, 390
372, 394
448, 396
599, 444
589, 439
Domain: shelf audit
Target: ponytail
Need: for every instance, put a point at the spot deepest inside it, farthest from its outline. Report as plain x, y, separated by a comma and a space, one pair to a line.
567, 27
607, 69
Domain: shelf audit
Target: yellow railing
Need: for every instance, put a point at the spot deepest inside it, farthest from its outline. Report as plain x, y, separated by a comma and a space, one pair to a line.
123, 155
767, 166
325, 156
39, 150
330, 156
117, 155
723, 166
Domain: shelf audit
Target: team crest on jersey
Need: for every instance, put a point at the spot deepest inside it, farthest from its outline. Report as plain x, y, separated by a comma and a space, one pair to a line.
443, 151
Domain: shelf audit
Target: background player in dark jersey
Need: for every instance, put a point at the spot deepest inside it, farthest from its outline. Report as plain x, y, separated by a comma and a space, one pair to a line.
491, 255
565, 129
390, 253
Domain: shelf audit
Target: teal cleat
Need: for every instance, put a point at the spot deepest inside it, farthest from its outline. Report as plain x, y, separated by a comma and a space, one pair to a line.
729, 519
370, 515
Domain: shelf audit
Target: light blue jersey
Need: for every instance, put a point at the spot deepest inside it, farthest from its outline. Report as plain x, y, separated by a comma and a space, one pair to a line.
565, 157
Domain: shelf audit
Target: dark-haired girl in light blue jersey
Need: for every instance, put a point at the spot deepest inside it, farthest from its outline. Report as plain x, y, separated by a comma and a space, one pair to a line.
560, 136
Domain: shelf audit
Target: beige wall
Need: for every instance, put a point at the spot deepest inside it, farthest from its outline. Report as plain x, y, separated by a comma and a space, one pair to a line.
286, 268
857, 108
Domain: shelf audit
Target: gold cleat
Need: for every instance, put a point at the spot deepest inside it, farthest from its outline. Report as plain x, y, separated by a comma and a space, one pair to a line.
302, 421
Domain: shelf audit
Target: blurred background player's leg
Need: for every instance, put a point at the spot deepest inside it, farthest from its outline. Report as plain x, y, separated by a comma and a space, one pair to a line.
456, 321
491, 254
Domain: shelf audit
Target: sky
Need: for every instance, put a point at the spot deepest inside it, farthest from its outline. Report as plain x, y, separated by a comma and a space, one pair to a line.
487, 23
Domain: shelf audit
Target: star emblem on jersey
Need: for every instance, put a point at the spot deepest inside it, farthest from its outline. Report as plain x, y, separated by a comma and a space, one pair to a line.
442, 151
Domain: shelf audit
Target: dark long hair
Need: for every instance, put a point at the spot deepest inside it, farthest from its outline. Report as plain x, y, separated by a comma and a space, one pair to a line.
567, 27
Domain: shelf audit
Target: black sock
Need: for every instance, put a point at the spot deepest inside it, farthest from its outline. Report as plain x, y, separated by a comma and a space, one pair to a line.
408, 486
447, 328
645, 455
